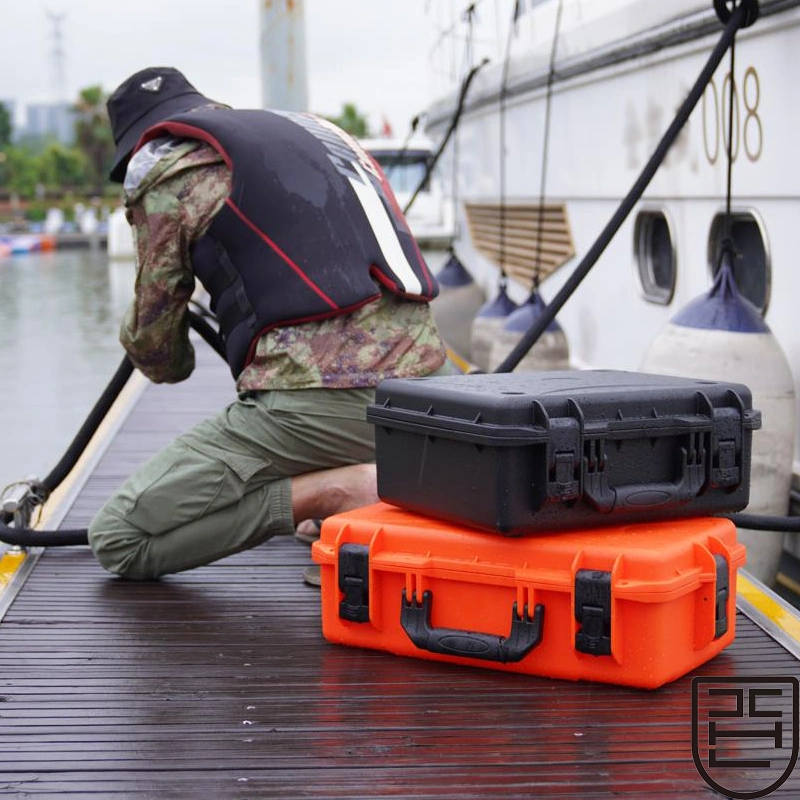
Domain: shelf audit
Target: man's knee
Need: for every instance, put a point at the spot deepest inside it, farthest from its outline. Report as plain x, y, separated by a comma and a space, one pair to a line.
120, 548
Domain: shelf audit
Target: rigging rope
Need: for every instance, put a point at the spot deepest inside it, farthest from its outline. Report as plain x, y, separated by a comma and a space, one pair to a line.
396, 158
727, 246
502, 120
546, 146
451, 128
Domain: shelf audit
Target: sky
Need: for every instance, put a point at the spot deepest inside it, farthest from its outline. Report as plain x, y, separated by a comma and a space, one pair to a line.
389, 57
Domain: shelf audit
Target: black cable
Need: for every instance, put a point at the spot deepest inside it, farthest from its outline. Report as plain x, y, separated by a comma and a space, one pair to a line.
764, 522
453, 124
90, 425
208, 333
470, 15
738, 18
502, 121
396, 158
729, 176
727, 246
30, 537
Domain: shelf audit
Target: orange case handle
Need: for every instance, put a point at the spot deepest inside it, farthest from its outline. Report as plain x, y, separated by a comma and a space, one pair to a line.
526, 633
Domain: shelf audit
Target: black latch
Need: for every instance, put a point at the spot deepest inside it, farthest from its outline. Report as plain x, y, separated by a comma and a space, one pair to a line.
726, 469
354, 582
593, 611
563, 484
723, 590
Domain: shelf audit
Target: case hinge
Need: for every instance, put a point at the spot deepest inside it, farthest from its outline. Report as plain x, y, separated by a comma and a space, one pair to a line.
723, 591
593, 611
354, 582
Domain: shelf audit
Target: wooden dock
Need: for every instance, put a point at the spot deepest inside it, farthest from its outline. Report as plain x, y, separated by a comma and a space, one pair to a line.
217, 683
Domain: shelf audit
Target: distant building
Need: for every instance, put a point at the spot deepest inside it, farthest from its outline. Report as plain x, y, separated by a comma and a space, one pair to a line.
50, 120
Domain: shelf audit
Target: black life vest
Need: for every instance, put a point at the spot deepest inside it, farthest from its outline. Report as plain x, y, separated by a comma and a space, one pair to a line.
309, 227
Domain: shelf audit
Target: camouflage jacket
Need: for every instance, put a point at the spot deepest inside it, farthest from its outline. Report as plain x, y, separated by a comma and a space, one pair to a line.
173, 190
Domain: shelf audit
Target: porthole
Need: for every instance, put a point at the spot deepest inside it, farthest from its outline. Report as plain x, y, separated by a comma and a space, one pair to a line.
751, 267
655, 256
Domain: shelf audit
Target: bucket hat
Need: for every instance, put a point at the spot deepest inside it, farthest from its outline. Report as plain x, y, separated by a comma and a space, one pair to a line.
147, 97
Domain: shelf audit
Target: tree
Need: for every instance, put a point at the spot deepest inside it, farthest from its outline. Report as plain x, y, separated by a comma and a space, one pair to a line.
93, 134
352, 121
63, 167
20, 171
6, 126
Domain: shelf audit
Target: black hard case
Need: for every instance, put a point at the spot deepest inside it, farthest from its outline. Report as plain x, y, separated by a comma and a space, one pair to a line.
517, 453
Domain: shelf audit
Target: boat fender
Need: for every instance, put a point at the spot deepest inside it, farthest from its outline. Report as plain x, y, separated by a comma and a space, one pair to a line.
488, 321
720, 335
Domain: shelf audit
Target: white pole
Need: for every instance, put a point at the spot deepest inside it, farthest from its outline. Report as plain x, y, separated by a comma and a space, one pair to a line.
284, 83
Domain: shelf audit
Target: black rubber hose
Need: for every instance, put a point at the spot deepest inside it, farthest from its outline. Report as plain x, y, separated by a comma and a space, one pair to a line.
208, 333
30, 537
453, 125
763, 522
740, 17
90, 425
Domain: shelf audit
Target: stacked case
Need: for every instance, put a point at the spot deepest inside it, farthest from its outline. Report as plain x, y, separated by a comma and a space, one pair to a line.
553, 523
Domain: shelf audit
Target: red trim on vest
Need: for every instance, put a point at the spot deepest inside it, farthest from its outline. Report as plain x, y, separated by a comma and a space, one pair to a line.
181, 128
384, 279
253, 227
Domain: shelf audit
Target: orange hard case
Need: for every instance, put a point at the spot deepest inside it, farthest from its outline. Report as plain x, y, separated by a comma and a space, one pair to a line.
636, 605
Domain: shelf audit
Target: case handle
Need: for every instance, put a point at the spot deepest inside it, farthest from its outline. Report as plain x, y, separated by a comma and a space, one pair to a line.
605, 498
526, 633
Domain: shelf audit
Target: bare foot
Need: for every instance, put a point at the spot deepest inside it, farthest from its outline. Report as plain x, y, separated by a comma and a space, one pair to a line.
317, 495
307, 530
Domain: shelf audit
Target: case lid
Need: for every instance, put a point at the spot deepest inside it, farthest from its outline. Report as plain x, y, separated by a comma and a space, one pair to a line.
518, 409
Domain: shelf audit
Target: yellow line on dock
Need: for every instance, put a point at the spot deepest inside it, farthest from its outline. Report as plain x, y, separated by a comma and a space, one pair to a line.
462, 364
10, 562
777, 613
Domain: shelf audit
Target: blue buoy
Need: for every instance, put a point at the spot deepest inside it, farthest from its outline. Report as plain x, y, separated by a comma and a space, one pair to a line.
551, 351
453, 274
457, 303
723, 308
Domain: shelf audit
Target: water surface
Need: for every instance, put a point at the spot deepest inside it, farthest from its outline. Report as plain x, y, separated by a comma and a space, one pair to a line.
59, 321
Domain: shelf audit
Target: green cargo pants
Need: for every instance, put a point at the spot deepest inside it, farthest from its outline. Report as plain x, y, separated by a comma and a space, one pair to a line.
224, 486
